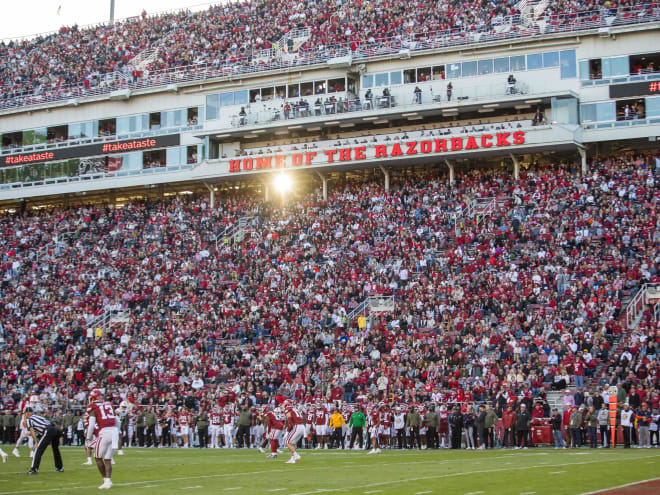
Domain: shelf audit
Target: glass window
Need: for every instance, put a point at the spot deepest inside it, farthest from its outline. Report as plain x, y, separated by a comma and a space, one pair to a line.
517, 62
423, 74
453, 71
469, 69
584, 70
652, 107
319, 87
280, 92
501, 65
588, 112
382, 79
255, 94
551, 59
367, 81
616, 66
41, 135
293, 90
438, 72
534, 61
176, 155
240, 97
567, 64
409, 76
337, 85
28, 138
212, 107
395, 77
267, 93
131, 161
306, 89
485, 66
564, 110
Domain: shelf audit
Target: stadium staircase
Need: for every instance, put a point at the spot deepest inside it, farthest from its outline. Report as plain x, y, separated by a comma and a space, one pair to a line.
108, 319
235, 233
372, 306
292, 41
143, 59
477, 210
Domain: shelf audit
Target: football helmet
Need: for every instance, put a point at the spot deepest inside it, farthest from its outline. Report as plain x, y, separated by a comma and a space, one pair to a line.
95, 395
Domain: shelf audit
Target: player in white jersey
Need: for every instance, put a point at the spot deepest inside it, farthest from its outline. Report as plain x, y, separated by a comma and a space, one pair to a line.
32, 402
215, 428
228, 427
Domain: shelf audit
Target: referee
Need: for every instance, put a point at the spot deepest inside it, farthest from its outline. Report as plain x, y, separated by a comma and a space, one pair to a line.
48, 433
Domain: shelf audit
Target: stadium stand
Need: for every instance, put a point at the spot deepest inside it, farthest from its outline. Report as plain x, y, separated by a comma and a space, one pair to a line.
228, 40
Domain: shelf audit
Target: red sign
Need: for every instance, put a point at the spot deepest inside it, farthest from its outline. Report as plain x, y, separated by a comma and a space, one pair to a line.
358, 153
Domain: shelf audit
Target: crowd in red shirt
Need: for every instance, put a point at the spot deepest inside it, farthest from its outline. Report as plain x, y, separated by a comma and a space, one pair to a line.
502, 306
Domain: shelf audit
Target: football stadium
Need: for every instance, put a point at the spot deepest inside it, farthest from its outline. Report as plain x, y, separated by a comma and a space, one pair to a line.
342, 246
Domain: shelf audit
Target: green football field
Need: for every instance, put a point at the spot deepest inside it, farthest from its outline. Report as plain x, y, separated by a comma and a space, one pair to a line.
163, 471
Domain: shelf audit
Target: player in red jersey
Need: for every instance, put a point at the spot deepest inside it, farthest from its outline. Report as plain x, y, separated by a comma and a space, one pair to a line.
295, 430
228, 426
375, 429
216, 427
102, 415
274, 429
321, 417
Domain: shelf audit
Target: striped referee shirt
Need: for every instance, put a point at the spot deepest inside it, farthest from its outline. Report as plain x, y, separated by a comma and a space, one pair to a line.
38, 423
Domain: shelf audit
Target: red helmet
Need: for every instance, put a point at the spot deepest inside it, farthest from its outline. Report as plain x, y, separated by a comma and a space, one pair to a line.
95, 395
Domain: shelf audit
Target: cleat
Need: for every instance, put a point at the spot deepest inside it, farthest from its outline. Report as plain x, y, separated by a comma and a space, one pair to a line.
87, 463
4, 457
60, 470
113, 462
16, 453
106, 485
121, 452
271, 456
32, 453
291, 461
262, 451
32, 471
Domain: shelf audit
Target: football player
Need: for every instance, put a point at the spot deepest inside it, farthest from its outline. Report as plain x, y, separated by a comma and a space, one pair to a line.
102, 416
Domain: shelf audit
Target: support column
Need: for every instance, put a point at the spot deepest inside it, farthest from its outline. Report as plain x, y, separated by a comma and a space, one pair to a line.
516, 166
582, 151
452, 174
211, 195
386, 173
324, 179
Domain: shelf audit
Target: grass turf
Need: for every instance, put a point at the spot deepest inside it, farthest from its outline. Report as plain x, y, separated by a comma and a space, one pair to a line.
161, 471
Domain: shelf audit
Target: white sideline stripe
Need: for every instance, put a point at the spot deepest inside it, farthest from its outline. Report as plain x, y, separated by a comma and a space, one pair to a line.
247, 473
474, 493
620, 486
190, 487
276, 489
373, 491
557, 472
233, 488
527, 493
422, 493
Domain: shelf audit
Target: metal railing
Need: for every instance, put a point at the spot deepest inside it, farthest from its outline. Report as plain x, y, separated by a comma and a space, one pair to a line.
361, 50
638, 305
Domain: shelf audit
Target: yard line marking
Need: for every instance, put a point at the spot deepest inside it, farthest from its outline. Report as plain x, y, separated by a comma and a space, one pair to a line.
474, 493
190, 487
557, 472
528, 493
148, 486
271, 471
422, 493
233, 488
373, 491
620, 486
276, 489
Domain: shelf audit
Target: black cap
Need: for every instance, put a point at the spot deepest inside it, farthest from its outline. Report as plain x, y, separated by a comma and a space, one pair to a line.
28, 410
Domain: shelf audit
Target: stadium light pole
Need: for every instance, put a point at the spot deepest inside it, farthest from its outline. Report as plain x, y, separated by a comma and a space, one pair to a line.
112, 11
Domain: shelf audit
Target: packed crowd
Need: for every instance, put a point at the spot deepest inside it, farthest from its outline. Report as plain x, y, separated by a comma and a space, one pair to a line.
526, 300
233, 34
